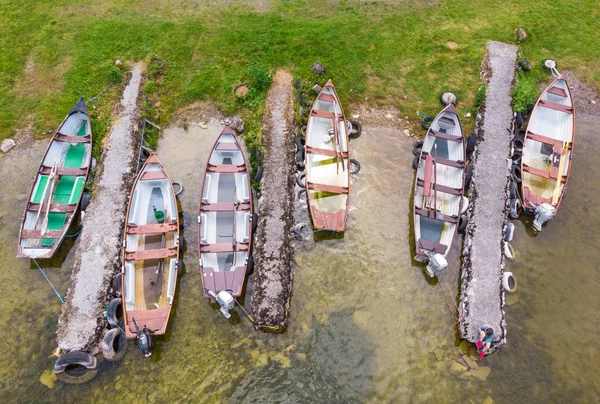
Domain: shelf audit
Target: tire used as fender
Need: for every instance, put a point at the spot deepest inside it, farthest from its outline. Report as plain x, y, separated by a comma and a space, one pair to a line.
517, 144
258, 174
76, 367
356, 164
177, 188
417, 148
300, 180
254, 222
468, 175
117, 284
179, 268
426, 122
300, 159
355, 129
250, 265
471, 142
415, 163
462, 224
114, 312
114, 345
515, 172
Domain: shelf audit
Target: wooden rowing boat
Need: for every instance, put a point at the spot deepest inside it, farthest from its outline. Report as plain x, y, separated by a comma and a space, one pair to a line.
58, 186
327, 162
548, 147
439, 185
225, 218
150, 263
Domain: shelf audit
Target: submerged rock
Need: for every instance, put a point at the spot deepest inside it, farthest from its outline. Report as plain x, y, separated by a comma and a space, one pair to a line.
457, 369
482, 372
470, 362
7, 144
48, 378
439, 354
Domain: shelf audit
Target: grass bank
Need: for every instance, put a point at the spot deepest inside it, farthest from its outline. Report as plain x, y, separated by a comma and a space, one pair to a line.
397, 53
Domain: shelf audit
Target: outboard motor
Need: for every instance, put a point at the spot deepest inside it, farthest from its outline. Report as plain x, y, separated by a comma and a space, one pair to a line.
144, 339
225, 300
543, 213
437, 263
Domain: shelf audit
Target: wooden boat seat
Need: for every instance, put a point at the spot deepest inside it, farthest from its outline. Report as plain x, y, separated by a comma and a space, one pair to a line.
555, 106
226, 146
428, 171
327, 97
73, 139
447, 136
224, 207
75, 172
441, 188
223, 247
326, 114
54, 207
557, 144
51, 234
447, 162
552, 175
153, 175
429, 245
160, 253
311, 186
326, 152
432, 214
557, 91
225, 168
446, 120
152, 228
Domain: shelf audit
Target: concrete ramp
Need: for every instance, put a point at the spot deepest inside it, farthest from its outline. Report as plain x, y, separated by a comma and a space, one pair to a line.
97, 255
273, 249
482, 295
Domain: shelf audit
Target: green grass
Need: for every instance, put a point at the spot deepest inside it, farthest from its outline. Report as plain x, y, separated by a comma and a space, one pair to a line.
378, 54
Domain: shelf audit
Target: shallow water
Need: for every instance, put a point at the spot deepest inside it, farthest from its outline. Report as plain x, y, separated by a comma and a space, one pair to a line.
364, 321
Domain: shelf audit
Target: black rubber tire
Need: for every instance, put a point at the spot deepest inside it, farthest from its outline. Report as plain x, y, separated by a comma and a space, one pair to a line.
297, 84
258, 154
417, 148
524, 65
354, 133
159, 61
426, 122
117, 283
356, 168
516, 157
258, 174
519, 119
300, 143
179, 268
250, 266
512, 189
85, 201
300, 99
520, 133
181, 242
114, 312
301, 194
303, 131
515, 173
76, 367
177, 188
517, 144
471, 142
462, 224
114, 345
300, 180
468, 175
415, 162
254, 222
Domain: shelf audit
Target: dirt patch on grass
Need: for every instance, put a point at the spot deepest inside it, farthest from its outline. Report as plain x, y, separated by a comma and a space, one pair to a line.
194, 114
38, 79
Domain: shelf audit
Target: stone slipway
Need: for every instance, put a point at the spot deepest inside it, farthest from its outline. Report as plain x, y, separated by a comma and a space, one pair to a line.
273, 250
482, 295
97, 255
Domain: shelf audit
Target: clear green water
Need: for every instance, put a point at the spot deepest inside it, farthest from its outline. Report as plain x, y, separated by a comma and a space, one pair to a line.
364, 320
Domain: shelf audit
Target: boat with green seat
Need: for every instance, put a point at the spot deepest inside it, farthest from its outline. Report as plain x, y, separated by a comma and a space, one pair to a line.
58, 187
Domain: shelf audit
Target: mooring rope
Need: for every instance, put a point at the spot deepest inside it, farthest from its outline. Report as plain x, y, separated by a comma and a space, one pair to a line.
53, 288
76, 233
94, 98
113, 320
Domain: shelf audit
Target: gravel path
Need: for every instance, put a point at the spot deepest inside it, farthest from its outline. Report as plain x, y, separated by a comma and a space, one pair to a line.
273, 250
97, 255
482, 296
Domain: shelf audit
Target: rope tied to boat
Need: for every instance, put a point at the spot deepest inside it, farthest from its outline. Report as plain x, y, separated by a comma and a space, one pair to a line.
53, 288
113, 320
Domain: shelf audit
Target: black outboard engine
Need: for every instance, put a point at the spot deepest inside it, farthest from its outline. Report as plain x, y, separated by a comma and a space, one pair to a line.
144, 339
543, 213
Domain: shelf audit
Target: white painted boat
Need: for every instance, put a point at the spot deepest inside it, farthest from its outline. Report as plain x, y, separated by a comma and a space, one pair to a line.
327, 162
58, 186
439, 188
150, 250
548, 151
